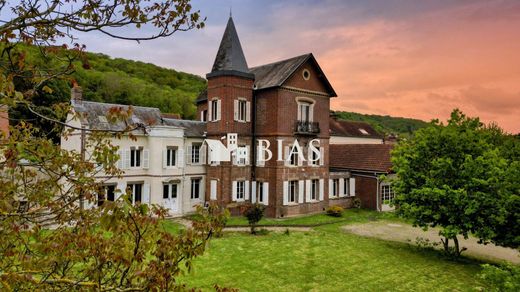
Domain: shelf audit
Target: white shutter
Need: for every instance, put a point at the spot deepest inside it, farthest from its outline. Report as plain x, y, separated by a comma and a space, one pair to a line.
285, 192
248, 111
164, 157
234, 191
210, 108
180, 157
286, 156
202, 154
253, 192
235, 107
126, 163
322, 183
301, 190
248, 156
341, 187
202, 115
299, 114
146, 158
265, 189
352, 184
331, 188
146, 194
246, 196
121, 159
213, 190
121, 186
308, 186
322, 156
311, 113
300, 161
219, 109
188, 155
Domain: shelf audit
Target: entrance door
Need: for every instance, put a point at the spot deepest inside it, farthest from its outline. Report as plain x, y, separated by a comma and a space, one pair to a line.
170, 200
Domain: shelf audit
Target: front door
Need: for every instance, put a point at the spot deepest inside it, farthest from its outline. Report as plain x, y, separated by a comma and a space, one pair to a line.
170, 200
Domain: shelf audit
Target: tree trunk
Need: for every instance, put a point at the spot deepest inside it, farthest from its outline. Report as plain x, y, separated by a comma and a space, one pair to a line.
445, 243
253, 229
458, 250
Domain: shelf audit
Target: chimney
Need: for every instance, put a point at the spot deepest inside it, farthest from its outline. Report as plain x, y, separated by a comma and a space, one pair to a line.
76, 93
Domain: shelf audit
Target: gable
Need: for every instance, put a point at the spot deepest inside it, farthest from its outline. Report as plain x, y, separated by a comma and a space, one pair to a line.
309, 77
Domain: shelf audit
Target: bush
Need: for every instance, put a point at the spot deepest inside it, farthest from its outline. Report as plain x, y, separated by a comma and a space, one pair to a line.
335, 211
505, 277
253, 213
356, 203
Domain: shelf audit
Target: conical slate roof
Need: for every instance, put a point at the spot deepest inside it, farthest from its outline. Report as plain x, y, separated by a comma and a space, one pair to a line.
230, 58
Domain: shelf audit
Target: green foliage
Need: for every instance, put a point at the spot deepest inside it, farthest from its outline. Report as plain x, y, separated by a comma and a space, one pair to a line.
502, 278
404, 127
253, 213
356, 203
335, 211
460, 177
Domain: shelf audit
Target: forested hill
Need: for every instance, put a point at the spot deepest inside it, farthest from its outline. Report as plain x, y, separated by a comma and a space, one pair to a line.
137, 83
385, 124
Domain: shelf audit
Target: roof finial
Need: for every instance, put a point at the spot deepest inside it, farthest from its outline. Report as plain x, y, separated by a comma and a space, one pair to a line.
230, 11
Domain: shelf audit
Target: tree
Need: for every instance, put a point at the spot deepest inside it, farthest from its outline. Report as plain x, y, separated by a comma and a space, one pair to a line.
48, 242
253, 213
461, 177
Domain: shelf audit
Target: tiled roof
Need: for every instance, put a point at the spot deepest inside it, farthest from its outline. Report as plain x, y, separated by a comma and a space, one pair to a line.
203, 96
191, 128
94, 114
368, 157
230, 56
352, 129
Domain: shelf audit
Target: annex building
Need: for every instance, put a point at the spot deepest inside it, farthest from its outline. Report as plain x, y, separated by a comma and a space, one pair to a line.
174, 163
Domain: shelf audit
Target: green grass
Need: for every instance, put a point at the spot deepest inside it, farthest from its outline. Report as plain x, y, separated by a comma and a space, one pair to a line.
327, 259
171, 226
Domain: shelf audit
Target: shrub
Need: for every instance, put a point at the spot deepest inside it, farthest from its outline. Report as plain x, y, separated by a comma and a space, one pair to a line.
356, 203
335, 211
253, 213
505, 277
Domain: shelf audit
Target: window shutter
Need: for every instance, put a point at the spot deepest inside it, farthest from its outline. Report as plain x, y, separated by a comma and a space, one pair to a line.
286, 159
260, 158
321, 189
248, 111
146, 158
299, 113
331, 188
285, 192
126, 163
121, 186
246, 190
234, 191
202, 115
188, 155
180, 157
235, 111
248, 156
341, 187
265, 189
352, 184
300, 161
311, 113
202, 154
322, 156
219, 109
121, 159
253, 192
301, 190
308, 186
213, 190
210, 108
164, 157
146, 193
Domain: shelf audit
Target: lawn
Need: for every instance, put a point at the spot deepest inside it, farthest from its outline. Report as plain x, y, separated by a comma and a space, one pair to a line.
327, 259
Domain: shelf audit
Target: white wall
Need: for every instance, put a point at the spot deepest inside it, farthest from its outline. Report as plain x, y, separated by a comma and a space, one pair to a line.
354, 140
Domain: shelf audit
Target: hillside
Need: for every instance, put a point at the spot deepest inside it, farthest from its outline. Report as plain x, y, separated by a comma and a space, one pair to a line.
385, 124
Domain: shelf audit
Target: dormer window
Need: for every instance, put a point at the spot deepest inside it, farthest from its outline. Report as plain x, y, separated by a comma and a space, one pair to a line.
363, 131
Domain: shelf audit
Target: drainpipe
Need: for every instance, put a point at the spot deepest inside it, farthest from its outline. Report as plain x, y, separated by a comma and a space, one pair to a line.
376, 177
253, 136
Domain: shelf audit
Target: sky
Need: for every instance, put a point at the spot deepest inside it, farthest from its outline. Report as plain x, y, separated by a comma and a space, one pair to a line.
418, 59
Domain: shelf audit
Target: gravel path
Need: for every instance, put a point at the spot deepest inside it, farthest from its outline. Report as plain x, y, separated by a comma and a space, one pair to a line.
407, 233
187, 224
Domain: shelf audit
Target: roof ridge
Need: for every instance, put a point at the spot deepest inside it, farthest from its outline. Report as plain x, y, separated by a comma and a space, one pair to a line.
280, 61
118, 104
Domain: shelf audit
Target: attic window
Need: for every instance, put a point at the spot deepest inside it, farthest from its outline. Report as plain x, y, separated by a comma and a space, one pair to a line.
363, 131
306, 74
102, 119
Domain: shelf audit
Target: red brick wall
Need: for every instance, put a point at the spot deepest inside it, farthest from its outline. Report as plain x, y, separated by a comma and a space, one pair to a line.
366, 191
4, 121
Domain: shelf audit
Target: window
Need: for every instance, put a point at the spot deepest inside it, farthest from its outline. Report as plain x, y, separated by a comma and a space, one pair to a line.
242, 110
137, 192
314, 189
170, 191
346, 186
304, 111
195, 188
306, 74
315, 158
204, 116
195, 153
335, 188
293, 159
171, 154
293, 191
387, 194
241, 155
135, 156
241, 190
260, 191
106, 194
214, 110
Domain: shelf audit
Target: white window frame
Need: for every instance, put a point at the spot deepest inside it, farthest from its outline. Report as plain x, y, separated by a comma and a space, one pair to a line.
172, 152
136, 156
312, 156
242, 110
195, 195
315, 185
195, 157
170, 190
334, 193
214, 110
133, 186
292, 193
305, 102
387, 193
241, 190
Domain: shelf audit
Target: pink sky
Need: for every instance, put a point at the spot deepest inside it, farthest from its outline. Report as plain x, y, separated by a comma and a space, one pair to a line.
417, 59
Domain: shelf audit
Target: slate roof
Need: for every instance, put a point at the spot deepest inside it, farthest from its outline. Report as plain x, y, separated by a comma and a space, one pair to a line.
94, 115
203, 96
194, 129
364, 157
352, 129
230, 57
